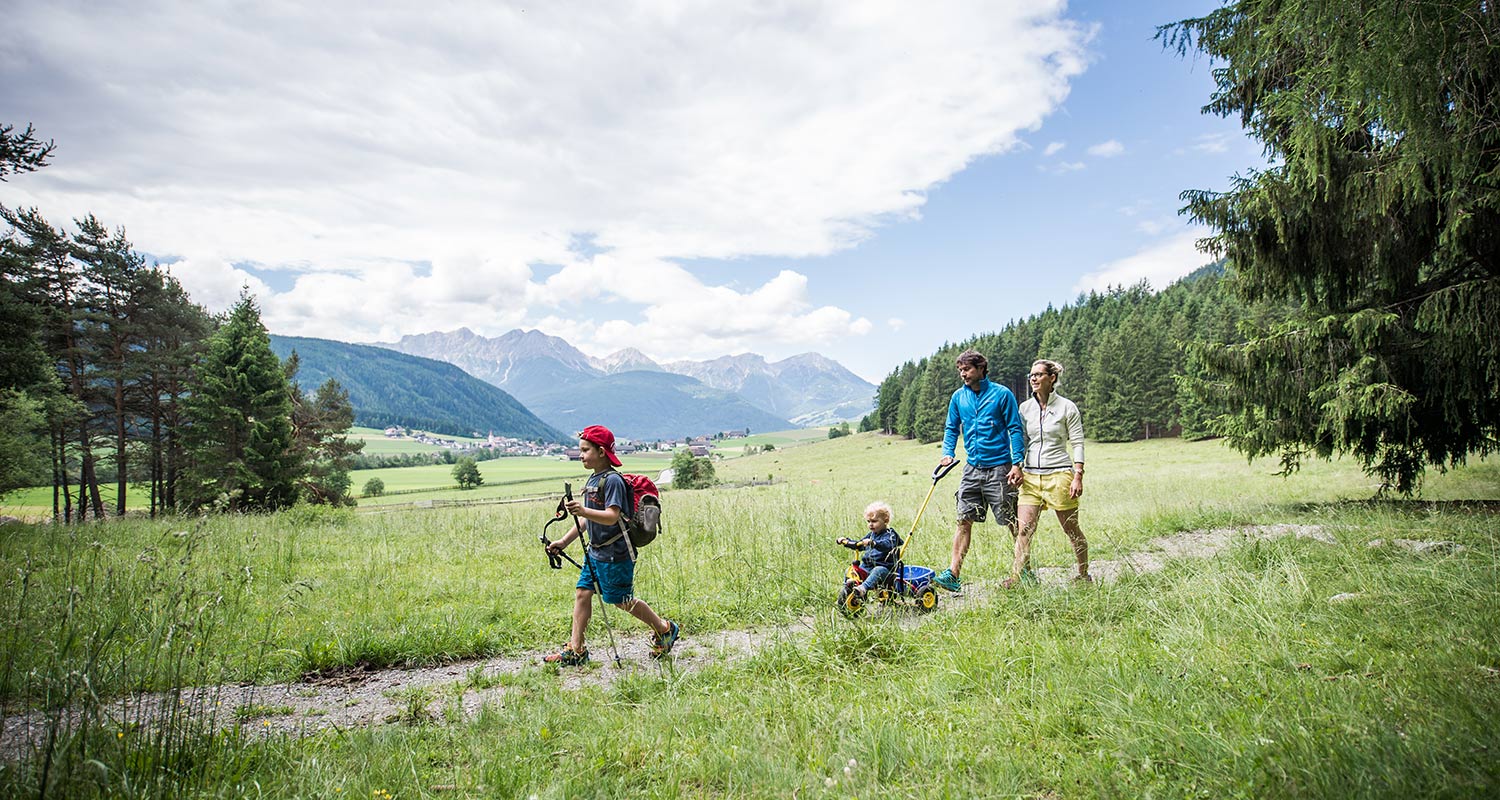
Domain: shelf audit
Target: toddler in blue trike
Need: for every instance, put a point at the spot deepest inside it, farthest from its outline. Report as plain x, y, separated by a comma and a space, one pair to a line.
878, 573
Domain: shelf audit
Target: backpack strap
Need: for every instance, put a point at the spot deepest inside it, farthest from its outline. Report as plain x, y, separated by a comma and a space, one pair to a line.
624, 517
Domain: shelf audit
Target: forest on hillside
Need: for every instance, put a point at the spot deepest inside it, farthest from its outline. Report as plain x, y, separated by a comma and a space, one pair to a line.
1130, 360
390, 388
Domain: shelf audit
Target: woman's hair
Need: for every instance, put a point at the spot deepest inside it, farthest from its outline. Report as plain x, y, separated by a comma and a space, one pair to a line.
1053, 368
972, 358
879, 508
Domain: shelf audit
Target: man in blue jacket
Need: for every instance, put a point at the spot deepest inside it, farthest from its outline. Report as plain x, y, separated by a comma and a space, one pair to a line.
987, 415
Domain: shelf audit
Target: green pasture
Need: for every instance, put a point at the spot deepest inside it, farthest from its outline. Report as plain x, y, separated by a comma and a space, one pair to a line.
520, 476
377, 444
1229, 677
735, 448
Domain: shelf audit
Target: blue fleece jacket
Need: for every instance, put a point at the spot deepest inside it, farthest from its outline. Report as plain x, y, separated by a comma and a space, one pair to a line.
991, 424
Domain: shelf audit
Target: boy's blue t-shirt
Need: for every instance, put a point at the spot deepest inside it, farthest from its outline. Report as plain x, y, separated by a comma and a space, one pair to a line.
882, 549
614, 493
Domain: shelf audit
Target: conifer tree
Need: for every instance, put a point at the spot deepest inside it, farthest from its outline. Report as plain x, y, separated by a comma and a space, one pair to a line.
933, 391
239, 427
1380, 219
1110, 416
320, 427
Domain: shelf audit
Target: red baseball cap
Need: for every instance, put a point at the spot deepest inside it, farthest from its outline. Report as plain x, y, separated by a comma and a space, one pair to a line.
600, 435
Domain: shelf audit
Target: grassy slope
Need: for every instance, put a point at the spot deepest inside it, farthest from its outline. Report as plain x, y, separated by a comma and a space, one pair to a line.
1229, 677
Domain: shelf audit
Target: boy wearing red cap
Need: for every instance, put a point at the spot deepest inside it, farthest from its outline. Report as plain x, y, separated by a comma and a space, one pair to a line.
609, 561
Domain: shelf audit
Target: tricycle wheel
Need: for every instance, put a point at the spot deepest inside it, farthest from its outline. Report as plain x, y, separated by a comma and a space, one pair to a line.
927, 600
850, 604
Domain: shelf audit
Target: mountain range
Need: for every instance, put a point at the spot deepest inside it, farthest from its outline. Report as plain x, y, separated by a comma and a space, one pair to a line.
390, 388
644, 399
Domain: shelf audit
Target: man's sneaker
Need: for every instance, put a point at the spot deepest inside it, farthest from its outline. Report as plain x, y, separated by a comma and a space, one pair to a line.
568, 657
947, 580
1084, 578
661, 643
1029, 578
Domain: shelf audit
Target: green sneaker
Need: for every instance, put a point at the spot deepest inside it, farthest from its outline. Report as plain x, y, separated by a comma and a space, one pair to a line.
568, 657
661, 643
1029, 578
947, 580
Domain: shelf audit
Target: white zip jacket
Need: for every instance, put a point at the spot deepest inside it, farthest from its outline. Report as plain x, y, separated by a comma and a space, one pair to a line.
1050, 433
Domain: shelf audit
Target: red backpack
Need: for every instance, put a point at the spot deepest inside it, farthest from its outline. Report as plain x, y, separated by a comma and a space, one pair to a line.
642, 521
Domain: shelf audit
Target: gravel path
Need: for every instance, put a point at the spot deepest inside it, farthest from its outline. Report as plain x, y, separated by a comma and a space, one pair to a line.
362, 698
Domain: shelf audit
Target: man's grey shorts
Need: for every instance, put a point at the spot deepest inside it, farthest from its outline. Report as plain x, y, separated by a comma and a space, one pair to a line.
981, 487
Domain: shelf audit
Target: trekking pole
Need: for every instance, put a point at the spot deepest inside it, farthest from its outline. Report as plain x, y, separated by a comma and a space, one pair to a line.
554, 560
593, 575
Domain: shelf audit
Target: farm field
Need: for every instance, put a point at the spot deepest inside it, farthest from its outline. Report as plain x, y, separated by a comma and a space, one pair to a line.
735, 448
511, 477
1232, 676
520, 476
377, 444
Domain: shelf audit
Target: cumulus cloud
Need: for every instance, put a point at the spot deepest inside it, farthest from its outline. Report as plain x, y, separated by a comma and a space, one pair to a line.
1108, 149
214, 283
1160, 264
412, 166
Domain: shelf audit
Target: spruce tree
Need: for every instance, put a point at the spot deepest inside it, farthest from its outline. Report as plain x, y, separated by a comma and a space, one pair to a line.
320, 428
239, 427
1111, 417
1379, 218
933, 391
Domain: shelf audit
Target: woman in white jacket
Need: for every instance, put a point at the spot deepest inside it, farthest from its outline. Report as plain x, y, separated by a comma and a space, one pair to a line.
1052, 472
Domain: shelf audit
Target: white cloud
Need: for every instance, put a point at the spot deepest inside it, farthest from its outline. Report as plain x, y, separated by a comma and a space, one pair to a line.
349, 144
1053, 148
1062, 167
215, 284
1212, 143
1160, 264
895, 323
1108, 149
1154, 227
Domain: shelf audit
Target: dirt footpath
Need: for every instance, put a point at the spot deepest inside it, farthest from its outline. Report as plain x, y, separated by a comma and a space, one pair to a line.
457, 692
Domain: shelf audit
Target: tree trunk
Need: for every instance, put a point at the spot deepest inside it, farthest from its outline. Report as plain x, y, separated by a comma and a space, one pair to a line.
121, 473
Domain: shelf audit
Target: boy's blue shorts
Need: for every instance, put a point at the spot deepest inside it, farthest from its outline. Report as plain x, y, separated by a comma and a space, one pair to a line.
616, 579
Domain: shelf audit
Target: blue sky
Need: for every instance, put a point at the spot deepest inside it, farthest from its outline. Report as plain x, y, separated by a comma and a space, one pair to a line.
863, 180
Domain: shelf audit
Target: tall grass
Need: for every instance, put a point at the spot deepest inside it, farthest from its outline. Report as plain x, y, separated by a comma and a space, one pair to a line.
1228, 677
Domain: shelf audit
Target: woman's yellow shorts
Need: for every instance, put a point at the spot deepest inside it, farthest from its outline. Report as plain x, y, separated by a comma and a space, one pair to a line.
1048, 491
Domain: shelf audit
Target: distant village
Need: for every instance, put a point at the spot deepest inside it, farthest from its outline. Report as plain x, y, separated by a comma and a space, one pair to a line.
700, 446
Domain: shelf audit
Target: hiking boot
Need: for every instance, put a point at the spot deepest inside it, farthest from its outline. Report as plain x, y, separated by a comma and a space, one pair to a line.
947, 580
661, 643
1083, 578
568, 657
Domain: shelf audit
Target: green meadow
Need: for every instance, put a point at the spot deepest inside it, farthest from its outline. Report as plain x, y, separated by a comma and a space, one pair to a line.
378, 444
1235, 676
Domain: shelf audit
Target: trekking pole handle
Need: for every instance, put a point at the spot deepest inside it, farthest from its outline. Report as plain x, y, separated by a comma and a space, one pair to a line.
941, 471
